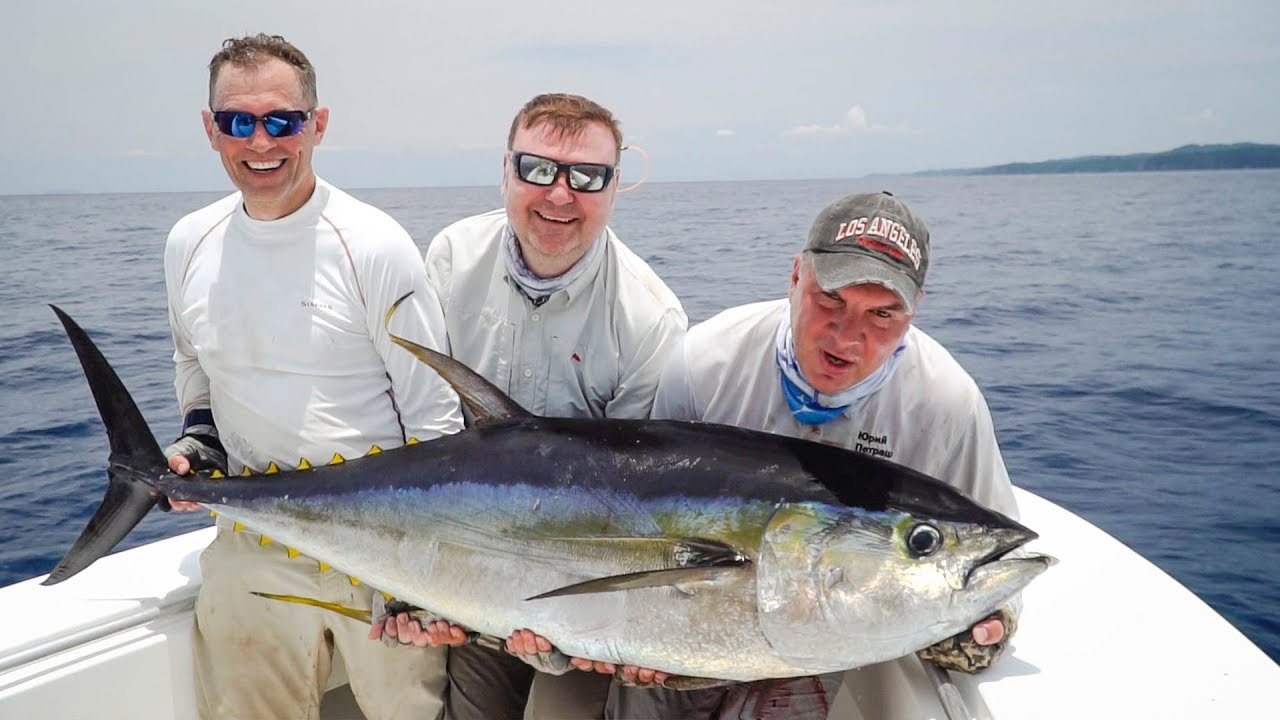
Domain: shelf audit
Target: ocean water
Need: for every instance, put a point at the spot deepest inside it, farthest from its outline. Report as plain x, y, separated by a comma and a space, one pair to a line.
1124, 328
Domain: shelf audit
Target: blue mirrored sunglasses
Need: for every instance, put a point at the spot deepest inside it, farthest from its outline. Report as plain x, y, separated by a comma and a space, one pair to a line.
583, 177
277, 123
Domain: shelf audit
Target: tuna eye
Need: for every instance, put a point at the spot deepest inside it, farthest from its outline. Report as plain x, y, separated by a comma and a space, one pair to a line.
924, 540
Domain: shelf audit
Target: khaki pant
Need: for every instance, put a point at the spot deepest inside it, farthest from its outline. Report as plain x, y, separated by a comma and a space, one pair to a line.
261, 659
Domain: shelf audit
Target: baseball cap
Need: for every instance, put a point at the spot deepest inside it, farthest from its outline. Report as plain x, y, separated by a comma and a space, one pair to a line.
870, 238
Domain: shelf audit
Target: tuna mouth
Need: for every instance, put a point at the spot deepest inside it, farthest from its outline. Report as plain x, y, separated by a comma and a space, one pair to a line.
1008, 553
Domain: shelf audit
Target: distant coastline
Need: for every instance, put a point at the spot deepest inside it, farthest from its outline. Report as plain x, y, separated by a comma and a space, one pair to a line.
1238, 156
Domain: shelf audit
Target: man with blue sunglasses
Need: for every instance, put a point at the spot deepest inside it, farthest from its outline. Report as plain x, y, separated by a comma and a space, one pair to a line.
544, 300
277, 296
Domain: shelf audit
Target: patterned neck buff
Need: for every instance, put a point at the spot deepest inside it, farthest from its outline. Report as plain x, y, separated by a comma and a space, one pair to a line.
539, 289
814, 408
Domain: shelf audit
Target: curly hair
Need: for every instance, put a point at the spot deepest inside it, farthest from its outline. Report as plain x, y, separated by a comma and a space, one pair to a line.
252, 50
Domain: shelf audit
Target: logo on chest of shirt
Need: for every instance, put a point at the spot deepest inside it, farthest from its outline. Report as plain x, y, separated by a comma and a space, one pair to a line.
875, 445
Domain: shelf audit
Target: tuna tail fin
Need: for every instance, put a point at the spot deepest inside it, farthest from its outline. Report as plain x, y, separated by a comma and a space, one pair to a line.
136, 460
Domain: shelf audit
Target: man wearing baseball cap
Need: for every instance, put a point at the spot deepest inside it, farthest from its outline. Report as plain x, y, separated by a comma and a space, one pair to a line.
839, 361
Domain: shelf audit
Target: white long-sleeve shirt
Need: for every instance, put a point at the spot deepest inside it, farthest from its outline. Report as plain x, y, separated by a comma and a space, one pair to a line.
930, 414
593, 349
278, 327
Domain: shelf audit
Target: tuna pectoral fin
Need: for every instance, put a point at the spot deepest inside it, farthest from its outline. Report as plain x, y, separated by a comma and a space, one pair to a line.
135, 460
648, 579
486, 402
678, 561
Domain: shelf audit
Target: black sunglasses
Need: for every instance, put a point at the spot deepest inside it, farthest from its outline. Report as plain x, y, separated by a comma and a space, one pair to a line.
583, 177
277, 123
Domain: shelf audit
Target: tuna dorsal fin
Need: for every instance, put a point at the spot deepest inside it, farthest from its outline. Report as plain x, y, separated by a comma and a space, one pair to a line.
486, 402
699, 561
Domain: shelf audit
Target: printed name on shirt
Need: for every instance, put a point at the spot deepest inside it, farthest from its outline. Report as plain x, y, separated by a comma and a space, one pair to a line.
867, 443
897, 240
316, 305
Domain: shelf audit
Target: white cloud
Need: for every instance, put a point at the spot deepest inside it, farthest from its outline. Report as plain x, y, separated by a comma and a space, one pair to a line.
856, 118
855, 121
1204, 117
817, 130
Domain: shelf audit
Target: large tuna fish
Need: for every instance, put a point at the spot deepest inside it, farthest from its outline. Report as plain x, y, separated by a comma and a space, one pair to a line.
696, 549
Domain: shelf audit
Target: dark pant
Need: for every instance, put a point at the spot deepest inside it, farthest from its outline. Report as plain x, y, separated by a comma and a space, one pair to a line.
486, 684
807, 698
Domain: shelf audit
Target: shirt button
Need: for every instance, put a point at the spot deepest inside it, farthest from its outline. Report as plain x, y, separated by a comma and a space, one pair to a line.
535, 317
528, 372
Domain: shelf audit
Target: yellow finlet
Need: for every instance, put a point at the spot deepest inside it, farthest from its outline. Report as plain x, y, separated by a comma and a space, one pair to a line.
293, 552
323, 566
387, 596
272, 468
354, 580
264, 541
337, 459
237, 527
412, 441
246, 472
213, 513
217, 474
303, 464
373, 450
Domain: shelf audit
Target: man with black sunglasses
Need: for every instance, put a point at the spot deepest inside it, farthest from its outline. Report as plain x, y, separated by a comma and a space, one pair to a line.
545, 301
277, 296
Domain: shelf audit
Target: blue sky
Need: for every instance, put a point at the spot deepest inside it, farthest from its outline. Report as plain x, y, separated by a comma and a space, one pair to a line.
105, 96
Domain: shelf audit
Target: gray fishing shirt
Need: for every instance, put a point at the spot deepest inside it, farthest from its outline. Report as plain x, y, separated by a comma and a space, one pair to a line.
593, 349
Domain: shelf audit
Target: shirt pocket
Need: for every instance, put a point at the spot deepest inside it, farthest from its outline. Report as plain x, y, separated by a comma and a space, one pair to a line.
582, 379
